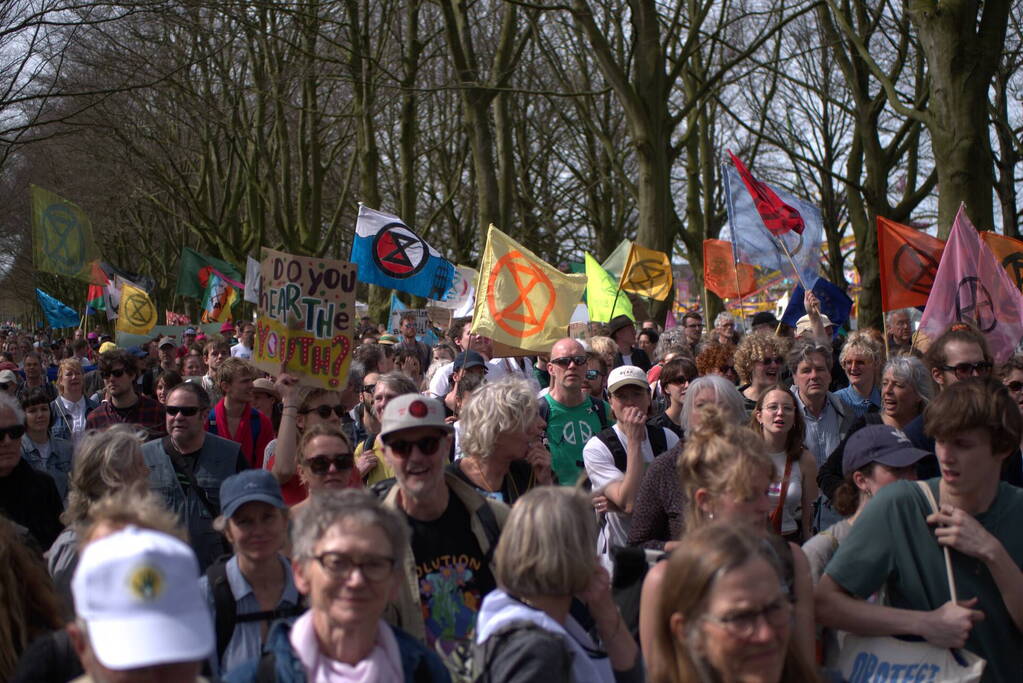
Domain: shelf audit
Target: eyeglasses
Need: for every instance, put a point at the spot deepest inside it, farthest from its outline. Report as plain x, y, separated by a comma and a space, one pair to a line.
1014, 387
964, 370
373, 567
744, 624
428, 445
777, 360
681, 380
593, 374
187, 411
566, 361
14, 432
321, 464
725, 369
368, 388
106, 374
324, 411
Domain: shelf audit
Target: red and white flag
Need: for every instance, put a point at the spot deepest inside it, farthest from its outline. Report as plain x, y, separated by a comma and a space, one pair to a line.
971, 286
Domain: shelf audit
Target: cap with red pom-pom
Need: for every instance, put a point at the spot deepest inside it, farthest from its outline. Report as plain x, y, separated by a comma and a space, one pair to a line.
410, 411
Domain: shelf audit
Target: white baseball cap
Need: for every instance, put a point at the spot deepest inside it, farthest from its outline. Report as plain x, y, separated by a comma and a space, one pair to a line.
626, 374
138, 592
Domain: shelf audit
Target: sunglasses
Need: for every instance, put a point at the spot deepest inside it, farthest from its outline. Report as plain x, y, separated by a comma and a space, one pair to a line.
368, 388
428, 445
593, 374
726, 369
964, 370
187, 411
14, 432
324, 411
777, 360
680, 380
321, 464
1015, 387
566, 361
106, 374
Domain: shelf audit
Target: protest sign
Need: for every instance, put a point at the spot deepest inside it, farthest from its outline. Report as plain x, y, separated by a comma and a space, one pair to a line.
419, 316
305, 318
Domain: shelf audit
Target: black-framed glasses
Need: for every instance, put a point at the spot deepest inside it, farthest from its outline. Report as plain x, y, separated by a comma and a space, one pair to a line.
368, 388
1014, 387
14, 432
321, 464
427, 445
593, 374
964, 370
373, 567
325, 411
187, 411
117, 372
743, 624
566, 361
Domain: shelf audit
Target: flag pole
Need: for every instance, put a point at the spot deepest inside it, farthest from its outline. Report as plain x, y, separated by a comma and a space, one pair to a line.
884, 326
738, 292
617, 292
793, 264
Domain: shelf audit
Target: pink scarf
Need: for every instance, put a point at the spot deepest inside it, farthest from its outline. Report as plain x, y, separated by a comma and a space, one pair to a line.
383, 665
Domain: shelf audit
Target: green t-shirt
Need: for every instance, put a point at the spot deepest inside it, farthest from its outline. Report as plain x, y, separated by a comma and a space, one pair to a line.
568, 430
891, 544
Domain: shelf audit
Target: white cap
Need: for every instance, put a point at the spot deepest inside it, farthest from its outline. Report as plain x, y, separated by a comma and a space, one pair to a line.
138, 592
626, 374
804, 324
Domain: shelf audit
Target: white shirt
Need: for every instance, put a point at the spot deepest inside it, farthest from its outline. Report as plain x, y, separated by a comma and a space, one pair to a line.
239, 350
600, 467
77, 412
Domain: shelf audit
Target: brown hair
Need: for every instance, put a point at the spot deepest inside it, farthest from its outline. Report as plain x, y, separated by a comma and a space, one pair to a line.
234, 368
936, 357
976, 403
694, 567
713, 357
794, 439
721, 458
676, 368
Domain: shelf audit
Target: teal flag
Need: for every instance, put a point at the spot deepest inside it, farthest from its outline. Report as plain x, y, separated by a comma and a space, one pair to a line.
58, 314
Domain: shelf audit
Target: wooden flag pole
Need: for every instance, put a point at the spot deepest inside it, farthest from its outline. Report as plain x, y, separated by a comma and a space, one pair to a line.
615, 303
738, 292
884, 326
793, 264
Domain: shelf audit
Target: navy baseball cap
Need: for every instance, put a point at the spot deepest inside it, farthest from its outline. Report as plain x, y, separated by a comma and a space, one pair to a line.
248, 486
469, 359
879, 443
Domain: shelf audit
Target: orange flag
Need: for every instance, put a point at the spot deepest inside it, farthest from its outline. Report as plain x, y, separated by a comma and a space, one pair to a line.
909, 261
721, 275
1009, 253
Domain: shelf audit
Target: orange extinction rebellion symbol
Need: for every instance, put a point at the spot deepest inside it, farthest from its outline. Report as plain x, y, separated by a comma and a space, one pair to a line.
527, 314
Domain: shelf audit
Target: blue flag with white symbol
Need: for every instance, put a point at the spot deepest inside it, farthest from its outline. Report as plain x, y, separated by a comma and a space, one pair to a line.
389, 254
58, 314
835, 304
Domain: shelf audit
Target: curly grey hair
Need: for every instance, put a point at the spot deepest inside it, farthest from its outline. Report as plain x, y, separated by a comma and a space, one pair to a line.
495, 408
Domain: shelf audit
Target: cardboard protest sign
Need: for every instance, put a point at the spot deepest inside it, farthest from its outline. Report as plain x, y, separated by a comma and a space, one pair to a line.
419, 314
305, 318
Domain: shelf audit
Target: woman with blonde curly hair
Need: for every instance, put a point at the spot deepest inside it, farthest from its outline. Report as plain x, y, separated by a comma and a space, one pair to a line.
759, 360
726, 477
502, 441
861, 359
726, 614
717, 359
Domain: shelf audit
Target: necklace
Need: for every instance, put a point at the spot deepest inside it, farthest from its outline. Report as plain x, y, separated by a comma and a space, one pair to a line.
479, 469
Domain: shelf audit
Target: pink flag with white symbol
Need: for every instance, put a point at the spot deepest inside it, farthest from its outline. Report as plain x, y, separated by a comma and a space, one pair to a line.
971, 286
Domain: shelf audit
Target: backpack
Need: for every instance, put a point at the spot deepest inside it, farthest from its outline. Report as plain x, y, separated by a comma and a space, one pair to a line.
227, 616
596, 406
253, 425
483, 653
655, 435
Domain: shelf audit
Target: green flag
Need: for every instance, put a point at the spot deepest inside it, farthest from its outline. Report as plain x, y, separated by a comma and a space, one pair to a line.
603, 299
62, 240
192, 262
615, 263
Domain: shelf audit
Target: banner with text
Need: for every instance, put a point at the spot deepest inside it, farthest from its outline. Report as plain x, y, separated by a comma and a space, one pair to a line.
305, 318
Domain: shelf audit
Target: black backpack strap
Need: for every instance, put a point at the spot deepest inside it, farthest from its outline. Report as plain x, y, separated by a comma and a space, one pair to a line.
610, 439
658, 441
225, 608
545, 409
490, 528
600, 409
272, 614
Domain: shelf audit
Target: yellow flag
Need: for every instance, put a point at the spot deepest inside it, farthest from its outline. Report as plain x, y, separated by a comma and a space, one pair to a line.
522, 302
62, 240
647, 273
136, 314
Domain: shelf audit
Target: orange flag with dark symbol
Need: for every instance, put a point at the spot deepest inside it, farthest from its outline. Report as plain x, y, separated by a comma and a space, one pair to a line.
722, 275
908, 260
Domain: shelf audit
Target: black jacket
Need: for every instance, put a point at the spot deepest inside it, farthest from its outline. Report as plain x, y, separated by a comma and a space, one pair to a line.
639, 359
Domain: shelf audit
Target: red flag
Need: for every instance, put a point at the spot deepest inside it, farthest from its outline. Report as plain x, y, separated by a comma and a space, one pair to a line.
722, 275
908, 262
779, 217
971, 286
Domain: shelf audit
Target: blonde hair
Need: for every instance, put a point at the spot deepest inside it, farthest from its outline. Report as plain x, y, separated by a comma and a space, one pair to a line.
102, 464
493, 409
64, 366
721, 458
862, 342
605, 346
145, 510
546, 546
756, 347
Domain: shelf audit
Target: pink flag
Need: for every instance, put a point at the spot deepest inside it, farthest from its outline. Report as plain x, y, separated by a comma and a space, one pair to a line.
971, 286
669, 321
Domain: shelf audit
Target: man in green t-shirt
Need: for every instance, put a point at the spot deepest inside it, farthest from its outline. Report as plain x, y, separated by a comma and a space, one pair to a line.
897, 541
574, 417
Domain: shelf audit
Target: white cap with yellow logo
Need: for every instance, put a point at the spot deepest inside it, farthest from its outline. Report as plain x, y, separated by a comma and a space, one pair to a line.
138, 592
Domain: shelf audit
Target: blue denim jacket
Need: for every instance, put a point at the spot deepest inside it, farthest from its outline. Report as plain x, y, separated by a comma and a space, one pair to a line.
58, 465
418, 664
217, 461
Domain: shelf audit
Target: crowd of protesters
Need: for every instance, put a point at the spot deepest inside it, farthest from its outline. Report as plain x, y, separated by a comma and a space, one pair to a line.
681, 505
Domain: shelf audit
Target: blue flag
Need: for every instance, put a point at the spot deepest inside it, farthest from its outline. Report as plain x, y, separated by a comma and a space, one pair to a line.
835, 304
58, 314
389, 254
